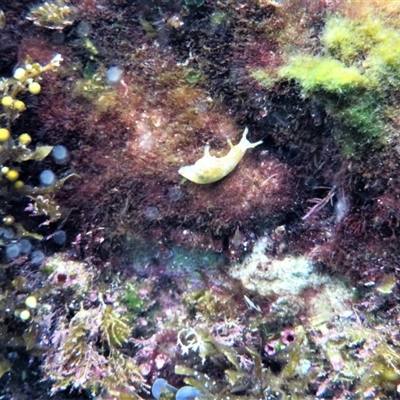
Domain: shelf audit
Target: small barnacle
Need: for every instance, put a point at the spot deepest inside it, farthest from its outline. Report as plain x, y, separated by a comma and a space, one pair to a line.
209, 169
53, 15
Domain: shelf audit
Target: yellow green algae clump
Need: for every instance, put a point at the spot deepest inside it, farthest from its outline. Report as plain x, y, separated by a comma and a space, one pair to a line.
322, 73
355, 76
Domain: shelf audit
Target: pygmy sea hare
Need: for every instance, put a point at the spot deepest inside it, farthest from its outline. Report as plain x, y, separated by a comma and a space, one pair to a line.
209, 169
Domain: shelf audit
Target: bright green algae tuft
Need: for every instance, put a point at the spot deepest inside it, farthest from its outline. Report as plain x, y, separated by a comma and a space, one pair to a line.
323, 73
355, 76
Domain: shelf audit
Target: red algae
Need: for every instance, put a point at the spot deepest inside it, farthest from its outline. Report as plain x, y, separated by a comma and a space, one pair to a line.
129, 156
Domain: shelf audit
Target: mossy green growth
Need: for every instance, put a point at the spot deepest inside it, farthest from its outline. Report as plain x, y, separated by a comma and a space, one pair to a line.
47, 269
323, 73
264, 78
360, 120
371, 44
218, 17
348, 40
194, 76
131, 299
354, 76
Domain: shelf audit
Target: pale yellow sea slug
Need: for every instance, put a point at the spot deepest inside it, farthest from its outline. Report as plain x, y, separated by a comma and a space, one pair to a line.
209, 169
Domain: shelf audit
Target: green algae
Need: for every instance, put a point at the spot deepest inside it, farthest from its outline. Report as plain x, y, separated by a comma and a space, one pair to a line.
264, 77
323, 74
129, 297
353, 76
